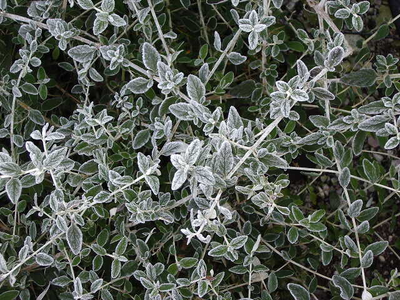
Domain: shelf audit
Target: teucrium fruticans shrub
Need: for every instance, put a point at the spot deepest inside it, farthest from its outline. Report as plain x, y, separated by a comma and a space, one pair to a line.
167, 179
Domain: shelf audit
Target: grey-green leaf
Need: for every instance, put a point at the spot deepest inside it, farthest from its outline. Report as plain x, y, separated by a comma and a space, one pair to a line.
377, 247
14, 189
195, 88
298, 292
344, 177
141, 138
74, 238
346, 289
43, 259
82, 53
150, 57
360, 78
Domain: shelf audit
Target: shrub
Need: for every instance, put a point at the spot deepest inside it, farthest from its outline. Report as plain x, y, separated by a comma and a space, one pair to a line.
197, 150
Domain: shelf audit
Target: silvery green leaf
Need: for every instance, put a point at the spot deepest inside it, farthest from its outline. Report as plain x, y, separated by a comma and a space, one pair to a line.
14, 189
277, 3
236, 58
238, 242
54, 158
302, 71
102, 197
99, 250
346, 289
298, 292
238, 269
99, 25
146, 283
106, 295
234, 119
335, 57
363, 227
299, 95
188, 262
78, 286
273, 160
153, 183
217, 41
360, 78
179, 179
182, 111
394, 295
116, 20
245, 25
370, 170
142, 14
107, 5
61, 223
272, 282
23, 253
86, 4
121, 247
115, 268
96, 285
218, 251
82, 53
293, 235
9, 169
342, 13
366, 295
355, 208
43, 259
29, 88
141, 138
74, 238
95, 76
350, 244
195, 88
357, 22
367, 259
203, 72
61, 281
253, 40
374, 123
344, 177
139, 85
323, 94
377, 247
204, 175
150, 57
193, 151
202, 288
36, 117
363, 7
170, 148
3, 264
224, 161
392, 143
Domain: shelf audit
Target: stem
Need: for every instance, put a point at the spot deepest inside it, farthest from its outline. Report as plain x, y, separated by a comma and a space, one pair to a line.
228, 48
32, 255
376, 32
159, 30
42, 25
203, 24
300, 265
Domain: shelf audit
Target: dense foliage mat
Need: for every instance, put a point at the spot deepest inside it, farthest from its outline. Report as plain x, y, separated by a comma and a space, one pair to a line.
199, 150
